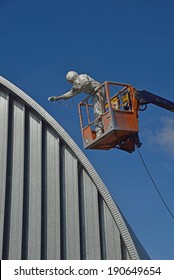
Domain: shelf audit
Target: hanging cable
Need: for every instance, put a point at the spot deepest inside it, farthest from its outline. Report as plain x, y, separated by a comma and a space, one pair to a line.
66, 105
155, 185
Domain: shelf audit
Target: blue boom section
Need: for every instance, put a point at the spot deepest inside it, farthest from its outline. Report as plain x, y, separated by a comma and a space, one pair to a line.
146, 97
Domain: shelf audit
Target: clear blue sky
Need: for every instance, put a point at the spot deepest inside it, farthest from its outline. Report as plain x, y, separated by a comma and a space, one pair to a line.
117, 40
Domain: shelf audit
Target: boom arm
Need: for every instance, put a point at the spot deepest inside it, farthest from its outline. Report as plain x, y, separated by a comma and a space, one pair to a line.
146, 97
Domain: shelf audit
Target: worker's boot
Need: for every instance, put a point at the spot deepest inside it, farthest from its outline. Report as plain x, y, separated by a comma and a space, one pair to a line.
99, 133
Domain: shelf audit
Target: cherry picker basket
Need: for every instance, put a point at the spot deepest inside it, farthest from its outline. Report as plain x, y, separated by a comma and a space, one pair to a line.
117, 117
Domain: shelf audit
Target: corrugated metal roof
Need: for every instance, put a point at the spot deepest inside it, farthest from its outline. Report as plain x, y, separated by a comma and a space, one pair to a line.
53, 204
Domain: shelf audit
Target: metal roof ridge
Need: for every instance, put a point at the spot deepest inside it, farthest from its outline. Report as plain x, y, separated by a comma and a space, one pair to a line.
85, 162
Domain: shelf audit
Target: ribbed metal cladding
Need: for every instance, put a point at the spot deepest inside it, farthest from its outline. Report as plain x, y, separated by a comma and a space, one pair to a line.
53, 204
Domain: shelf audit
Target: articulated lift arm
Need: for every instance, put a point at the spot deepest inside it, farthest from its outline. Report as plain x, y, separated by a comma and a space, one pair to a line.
145, 97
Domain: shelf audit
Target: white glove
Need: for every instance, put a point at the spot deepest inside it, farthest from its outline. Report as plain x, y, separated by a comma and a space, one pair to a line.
54, 98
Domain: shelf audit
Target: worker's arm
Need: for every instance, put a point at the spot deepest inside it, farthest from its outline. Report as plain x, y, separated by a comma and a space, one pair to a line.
67, 95
73, 92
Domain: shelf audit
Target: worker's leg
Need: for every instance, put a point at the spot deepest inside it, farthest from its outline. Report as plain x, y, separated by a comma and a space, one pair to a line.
97, 115
98, 128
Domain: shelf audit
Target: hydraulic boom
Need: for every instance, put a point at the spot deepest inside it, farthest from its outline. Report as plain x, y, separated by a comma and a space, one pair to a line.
146, 97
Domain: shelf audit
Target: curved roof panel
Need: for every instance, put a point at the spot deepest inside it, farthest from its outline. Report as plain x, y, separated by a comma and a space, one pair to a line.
53, 203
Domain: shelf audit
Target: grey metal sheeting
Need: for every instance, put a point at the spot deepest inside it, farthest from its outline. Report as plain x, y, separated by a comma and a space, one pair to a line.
46, 213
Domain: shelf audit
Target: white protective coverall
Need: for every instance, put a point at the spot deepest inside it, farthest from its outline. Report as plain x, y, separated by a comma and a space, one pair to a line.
84, 84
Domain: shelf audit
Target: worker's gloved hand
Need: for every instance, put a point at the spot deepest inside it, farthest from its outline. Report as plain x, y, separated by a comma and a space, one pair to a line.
54, 98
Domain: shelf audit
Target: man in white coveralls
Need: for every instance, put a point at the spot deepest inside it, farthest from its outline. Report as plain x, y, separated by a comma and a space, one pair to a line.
84, 83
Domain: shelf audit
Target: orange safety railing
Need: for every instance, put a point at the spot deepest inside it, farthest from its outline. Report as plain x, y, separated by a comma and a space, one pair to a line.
117, 117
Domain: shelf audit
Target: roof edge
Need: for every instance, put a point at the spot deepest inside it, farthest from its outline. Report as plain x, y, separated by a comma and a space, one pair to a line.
85, 162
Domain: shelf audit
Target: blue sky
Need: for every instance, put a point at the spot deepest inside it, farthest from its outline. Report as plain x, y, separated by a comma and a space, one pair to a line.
115, 40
